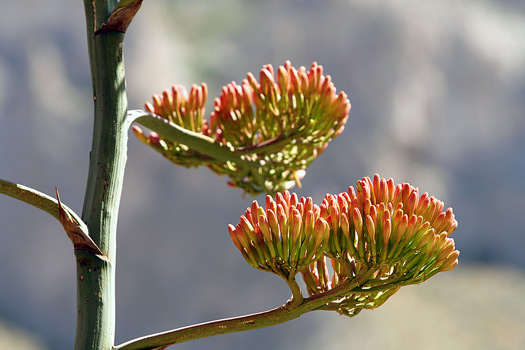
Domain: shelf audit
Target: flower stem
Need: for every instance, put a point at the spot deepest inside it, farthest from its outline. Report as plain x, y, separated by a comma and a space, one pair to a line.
297, 296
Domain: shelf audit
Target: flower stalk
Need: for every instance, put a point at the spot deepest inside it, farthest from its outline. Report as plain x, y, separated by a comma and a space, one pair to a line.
96, 277
269, 318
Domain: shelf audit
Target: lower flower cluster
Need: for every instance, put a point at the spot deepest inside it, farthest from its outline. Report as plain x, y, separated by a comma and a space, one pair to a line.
391, 232
285, 238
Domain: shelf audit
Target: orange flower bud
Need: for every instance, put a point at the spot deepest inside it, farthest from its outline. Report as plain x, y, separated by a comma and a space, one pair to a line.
283, 79
387, 230
411, 203
450, 262
266, 79
265, 228
371, 233
140, 134
358, 221
295, 228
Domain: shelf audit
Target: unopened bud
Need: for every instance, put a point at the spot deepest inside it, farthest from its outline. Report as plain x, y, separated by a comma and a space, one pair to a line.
450, 262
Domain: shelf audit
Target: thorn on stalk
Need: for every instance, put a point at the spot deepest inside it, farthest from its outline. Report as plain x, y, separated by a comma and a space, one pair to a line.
76, 232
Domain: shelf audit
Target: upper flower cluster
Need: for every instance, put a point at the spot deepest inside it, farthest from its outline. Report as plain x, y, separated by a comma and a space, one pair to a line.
284, 119
300, 103
281, 122
184, 109
392, 230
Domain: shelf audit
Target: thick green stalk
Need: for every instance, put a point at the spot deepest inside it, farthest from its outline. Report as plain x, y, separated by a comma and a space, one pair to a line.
96, 277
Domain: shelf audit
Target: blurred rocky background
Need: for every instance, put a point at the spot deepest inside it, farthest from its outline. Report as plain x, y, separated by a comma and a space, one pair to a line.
438, 100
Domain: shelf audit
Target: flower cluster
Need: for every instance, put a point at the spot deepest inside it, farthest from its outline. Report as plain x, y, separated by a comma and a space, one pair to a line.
380, 223
285, 238
281, 122
284, 119
183, 109
391, 231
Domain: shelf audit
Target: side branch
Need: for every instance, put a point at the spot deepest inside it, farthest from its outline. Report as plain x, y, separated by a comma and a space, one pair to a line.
269, 318
75, 228
37, 199
208, 329
177, 134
